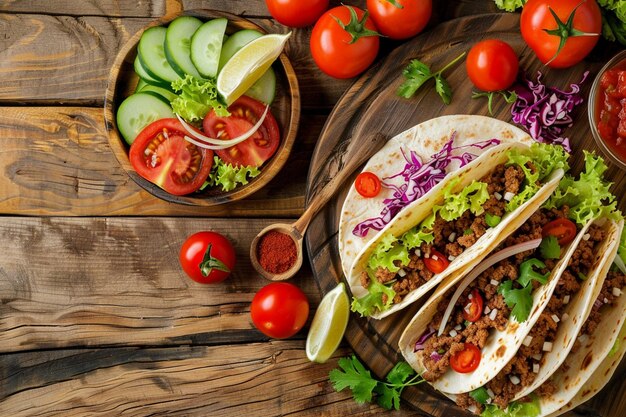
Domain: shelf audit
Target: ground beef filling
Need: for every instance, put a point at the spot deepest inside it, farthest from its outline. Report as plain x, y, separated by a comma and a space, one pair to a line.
438, 350
451, 238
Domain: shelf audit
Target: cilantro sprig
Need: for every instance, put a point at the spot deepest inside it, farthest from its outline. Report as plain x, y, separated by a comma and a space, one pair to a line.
355, 376
417, 73
520, 300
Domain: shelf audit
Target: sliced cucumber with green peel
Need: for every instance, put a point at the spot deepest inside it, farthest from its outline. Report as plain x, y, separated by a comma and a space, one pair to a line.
138, 111
143, 74
163, 92
264, 89
206, 46
140, 84
235, 42
178, 45
151, 53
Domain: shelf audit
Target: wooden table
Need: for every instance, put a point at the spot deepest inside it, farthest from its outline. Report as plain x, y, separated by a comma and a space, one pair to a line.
96, 316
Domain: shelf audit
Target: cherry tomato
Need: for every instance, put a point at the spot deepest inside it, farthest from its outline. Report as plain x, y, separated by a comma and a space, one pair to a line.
474, 309
466, 360
244, 113
279, 310
492, 65
436, 262
539, 30
367, 184
207, 257
563, 229
401, 20
333, 46
161, 155
296, 13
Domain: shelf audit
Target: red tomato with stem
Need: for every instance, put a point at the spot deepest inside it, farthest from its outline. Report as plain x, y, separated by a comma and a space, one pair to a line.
296, 13
436, 262
466, 360
561, 32
279, 310
367, 184
400, 19
344, 42
207, 257
563, 229
492, 65
474, 309
161, 155
245, 112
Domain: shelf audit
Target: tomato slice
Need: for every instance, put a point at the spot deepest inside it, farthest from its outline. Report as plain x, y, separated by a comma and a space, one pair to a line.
245, 112
474, 309
367, 184
563, 229
161, 155
466, 360
436, 262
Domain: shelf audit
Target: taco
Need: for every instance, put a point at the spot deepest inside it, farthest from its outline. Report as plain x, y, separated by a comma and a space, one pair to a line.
410, 164
454, 225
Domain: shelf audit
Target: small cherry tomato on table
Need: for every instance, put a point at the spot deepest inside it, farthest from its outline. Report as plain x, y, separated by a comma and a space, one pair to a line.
474, 309
296, 13
400, 19
279, 310
367, 184
561, 32
436, 262
563, 229
466, 360
344, 42
492, 65
207, 257
161, 155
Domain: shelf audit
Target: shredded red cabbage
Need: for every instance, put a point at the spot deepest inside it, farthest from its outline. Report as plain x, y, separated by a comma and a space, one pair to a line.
436, 357
418, 179
419, 345
546, 111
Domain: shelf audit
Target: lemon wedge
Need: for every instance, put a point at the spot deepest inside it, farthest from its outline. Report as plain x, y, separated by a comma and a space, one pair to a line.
328, 325
248, 65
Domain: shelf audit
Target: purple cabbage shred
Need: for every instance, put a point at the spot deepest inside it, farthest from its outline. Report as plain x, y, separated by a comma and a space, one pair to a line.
436, 357
546, 111
419, 345
418, 179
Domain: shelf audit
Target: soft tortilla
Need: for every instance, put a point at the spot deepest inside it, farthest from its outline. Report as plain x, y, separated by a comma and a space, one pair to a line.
426, 139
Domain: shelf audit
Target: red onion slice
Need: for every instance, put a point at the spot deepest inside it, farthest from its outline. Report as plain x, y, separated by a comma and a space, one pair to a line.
480, 268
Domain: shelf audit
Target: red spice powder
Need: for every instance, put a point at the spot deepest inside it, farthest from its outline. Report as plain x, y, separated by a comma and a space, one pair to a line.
276, 252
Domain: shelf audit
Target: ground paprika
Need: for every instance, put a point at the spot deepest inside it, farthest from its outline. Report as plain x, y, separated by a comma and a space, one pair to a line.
276, 252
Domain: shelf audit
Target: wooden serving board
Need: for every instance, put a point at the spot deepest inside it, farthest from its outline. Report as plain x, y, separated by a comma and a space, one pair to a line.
371, 104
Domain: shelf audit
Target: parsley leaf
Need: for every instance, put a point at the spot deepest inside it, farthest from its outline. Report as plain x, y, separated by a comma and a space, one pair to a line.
353, 375
417, 73
520, 300
527, 272
549, 248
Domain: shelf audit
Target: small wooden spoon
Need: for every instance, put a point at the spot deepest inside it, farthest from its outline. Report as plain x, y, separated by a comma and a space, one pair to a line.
359, 151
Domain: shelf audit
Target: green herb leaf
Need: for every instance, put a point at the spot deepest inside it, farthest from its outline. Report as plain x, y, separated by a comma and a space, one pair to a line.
443, 89
519, 300
353, 375
527, 272
480, 395
492, 220
417, 73
549, 248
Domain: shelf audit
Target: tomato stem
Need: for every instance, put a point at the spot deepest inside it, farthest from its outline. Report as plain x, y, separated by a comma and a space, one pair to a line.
356, 28
209, 263
565, 30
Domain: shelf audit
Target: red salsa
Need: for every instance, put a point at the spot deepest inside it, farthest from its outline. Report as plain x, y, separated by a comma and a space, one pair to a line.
611, 109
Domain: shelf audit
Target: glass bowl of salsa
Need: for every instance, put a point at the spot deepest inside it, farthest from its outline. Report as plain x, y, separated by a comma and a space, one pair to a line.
607, 109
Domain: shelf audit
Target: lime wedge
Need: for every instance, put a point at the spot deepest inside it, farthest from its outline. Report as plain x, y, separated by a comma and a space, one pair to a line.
328, 325
248, 65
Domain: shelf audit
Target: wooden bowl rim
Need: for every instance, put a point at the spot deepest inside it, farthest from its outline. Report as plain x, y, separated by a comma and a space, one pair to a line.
268, 171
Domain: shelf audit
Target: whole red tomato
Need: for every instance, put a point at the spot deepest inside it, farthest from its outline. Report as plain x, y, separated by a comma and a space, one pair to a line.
492, 65
207, 257
344, 42
279, 310
543, 32
296, 13
400, 19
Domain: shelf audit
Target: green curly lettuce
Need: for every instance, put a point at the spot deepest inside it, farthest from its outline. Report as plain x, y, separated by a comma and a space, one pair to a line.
196, 98
509, 5
515, 409
374, 300
228, 176
470, 198
389, 253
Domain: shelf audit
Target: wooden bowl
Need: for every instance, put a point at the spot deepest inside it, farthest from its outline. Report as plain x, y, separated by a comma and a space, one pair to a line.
286, 110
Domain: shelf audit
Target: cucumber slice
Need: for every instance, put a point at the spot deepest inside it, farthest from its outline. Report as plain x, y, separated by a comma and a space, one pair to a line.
143, 74
163, 92
235, 42
138, 111
140, 84
152, 54
206, 46
178, 43
264, 89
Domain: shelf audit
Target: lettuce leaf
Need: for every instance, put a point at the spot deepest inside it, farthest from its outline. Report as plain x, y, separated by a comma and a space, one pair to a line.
588, 196
196, 98
621, 251
515, 409
373, 301
415, 237
387, 252
509, 5
228, 176
470, 198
